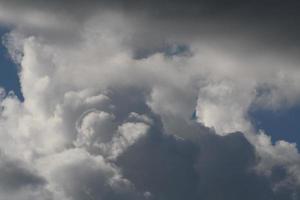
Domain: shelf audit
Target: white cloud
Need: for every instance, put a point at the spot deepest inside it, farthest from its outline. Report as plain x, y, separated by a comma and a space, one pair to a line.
76, 174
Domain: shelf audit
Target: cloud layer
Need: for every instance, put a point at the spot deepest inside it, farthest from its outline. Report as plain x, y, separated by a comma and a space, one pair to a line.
137, 100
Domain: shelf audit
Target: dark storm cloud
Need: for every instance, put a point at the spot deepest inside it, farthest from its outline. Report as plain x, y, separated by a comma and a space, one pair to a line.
271, 23
203, 165
169, 7
267, 12
211, 168
226, 165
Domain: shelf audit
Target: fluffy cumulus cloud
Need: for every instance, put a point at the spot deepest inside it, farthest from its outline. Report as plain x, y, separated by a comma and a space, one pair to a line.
128, 100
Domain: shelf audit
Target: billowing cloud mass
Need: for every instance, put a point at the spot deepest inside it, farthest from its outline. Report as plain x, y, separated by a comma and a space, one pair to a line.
137, 100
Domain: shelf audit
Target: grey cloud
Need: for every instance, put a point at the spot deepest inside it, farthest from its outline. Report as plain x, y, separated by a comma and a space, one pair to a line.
14, 175
201, 165
225, 165
214, 7
210, 167
80, 176
20, 181
273, 20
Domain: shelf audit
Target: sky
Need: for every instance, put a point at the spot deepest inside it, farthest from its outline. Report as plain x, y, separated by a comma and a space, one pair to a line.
9, 79
281, 125
149, 100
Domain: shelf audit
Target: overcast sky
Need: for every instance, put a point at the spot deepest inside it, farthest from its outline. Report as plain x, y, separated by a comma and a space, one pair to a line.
149, 100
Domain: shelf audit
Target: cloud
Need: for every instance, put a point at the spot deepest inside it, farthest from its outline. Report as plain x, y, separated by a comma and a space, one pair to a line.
14, 175
190, 17
20, 181
197, 169
124, 101
78, 175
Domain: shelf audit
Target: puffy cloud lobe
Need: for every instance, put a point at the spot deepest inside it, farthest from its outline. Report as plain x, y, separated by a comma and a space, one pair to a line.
121, 110
93, 123
80, 175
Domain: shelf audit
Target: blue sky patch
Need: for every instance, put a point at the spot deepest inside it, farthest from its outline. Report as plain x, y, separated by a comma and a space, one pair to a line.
9, 79
281, 125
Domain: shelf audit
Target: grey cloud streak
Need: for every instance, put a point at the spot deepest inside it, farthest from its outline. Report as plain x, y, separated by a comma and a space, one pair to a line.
273, 20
